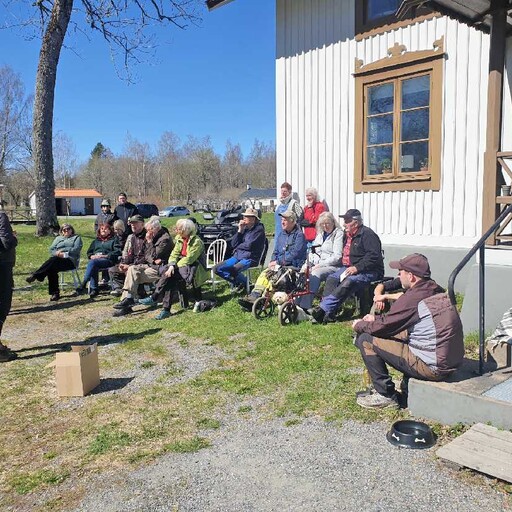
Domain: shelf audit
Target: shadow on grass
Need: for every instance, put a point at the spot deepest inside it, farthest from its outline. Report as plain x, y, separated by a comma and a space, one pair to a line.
103, 340
111, 384
60, 305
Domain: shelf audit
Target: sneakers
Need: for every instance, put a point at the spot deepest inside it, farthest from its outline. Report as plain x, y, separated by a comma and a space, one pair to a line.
377, 401
163, 315
125, 303
147, 301
116, 292
93, 293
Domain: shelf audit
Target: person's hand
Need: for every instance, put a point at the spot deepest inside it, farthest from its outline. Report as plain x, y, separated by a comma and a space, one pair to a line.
59, 254
368, 318
241, 226
123, 267
379, 304
169, 272
158, 261
351, 271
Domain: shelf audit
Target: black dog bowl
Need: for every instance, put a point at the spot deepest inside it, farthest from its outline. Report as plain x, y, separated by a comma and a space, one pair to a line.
411, 434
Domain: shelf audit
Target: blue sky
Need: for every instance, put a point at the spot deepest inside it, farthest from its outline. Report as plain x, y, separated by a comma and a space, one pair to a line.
216, 79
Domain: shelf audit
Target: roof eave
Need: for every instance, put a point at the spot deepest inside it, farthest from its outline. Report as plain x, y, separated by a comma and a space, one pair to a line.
213, 4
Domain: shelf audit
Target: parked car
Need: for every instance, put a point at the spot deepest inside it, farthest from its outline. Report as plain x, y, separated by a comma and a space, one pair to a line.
174, 211
147, 209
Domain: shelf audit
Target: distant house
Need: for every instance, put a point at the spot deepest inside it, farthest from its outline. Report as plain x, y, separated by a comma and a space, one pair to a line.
73, 201
267, 197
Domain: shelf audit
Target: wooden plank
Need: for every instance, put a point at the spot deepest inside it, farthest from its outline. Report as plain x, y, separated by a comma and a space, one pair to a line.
482, 448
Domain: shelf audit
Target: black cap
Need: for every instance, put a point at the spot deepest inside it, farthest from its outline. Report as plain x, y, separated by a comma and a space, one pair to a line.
351, 214
136, 218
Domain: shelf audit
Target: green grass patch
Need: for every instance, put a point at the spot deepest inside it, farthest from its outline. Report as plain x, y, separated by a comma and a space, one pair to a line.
205, 423
23, 483
109, 438
188, 445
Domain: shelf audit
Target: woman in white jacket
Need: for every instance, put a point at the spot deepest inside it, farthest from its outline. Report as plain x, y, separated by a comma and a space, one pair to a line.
326, 258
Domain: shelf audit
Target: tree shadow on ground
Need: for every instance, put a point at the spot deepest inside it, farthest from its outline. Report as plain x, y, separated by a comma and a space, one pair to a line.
61, 305
102, 340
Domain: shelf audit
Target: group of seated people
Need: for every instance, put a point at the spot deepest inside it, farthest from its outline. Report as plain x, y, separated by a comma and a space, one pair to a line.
421, 335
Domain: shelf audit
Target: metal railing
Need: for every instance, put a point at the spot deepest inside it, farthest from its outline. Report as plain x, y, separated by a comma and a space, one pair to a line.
479, 246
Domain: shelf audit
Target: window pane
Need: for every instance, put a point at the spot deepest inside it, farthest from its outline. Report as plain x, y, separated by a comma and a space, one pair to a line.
380, 129
415, 124
379, 8
416, 92
414, 157
379, 160
380, 99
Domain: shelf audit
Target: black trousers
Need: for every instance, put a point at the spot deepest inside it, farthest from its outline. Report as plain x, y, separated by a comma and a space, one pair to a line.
50, 269
168, 286
6, 286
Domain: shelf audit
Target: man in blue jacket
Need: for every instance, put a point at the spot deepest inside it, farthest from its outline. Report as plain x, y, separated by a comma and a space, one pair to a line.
247, 244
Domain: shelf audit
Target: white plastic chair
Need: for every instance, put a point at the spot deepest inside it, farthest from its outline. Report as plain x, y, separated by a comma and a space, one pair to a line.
74, 274
214, 256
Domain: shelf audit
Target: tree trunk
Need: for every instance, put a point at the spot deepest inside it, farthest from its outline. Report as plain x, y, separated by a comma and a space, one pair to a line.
51, 46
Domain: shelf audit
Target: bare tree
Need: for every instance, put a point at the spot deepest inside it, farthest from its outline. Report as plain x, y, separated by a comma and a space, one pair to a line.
233, 171
125, 25
65, 159
261, 165
168, 160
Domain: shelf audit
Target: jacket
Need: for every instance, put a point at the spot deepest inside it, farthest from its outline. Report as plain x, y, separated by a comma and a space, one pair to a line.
249, 244
124, 212
432, 323
311, 214
290, 248
159, 248
72, 245
366, 252
195, 254
288, 204
134, 252
104, 218
8, 241
329, 251
109, 248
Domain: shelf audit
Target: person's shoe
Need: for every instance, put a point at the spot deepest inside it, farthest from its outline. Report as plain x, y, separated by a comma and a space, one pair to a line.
31, 278
93, 292
81, 290
125, 303
317, 314
147, 301
116, 292
248, 301
122, 312
328, 319
55, 297
103, 282
377, 401
7, 355
163, 315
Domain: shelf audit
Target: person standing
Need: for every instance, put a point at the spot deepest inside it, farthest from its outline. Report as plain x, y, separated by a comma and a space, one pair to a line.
8, 243
124, 210
312, 212
105, 216
287, 203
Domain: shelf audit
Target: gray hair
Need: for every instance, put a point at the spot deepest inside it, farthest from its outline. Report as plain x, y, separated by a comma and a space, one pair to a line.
153, 223
119, 224
313, 192
326, 217
186, 226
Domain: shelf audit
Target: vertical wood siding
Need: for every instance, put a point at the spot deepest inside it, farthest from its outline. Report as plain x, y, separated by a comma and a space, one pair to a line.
316, 50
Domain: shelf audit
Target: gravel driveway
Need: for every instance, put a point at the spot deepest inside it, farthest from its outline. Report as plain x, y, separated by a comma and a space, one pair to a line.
262, 465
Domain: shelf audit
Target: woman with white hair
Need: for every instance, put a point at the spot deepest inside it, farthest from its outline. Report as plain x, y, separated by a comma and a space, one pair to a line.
314, 207
325, 256
186, 267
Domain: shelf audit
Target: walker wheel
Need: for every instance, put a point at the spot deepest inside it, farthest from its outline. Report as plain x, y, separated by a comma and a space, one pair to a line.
288, 314
262, 308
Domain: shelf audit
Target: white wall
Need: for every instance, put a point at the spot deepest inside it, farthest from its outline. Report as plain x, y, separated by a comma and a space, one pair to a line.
316, 50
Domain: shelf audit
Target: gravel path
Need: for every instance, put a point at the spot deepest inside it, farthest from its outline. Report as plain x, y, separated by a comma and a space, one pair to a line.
262, 465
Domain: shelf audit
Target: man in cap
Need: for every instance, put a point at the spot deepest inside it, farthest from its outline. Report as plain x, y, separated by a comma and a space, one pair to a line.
361, 261
105, 216
421, 335
157, 248
247, 245
289, 251
124, 211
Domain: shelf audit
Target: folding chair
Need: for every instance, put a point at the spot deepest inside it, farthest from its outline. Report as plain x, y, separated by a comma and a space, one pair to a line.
74, 274
260, 265
214, 256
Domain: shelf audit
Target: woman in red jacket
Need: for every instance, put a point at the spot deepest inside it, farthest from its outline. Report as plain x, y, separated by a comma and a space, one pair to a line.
312, 211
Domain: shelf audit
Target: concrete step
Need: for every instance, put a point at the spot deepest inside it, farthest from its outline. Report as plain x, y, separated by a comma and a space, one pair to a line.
465, 397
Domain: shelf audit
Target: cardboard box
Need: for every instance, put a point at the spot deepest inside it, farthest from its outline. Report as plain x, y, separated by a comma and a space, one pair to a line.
77, 372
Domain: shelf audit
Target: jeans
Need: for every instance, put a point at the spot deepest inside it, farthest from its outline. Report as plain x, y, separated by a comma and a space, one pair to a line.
231, 270
92, 271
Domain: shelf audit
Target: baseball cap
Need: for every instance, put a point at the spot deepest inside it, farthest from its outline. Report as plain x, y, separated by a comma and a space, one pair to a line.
105, 202
351, 214
415, 263
136, 218
288, 214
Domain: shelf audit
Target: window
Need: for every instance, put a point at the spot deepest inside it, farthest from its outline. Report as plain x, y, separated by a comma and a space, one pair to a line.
398, 121
376, 13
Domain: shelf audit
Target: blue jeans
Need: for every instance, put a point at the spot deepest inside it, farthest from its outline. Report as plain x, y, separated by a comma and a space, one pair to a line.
336, 293
92, 270
231, 269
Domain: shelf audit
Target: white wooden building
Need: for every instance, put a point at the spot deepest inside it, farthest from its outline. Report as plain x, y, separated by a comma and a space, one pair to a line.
73, 201
390, 115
